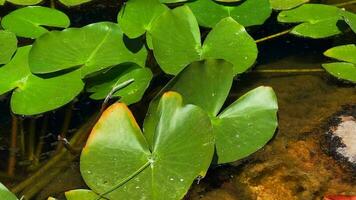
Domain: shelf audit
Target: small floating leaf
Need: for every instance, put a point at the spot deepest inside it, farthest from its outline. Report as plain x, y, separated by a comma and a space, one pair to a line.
74, 2
118, 163
138, 15
286, 4
8, 46
317, 20
29, 21
347, 68
248, 13
176, 42
32, 94
21, 2
5, 194
92, 48
103, 84
241, 129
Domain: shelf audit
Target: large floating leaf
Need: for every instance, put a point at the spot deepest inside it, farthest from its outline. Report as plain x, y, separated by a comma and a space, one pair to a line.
32, 94
29, 21
241, 129
74, 2
8, 46
92, 48
346, 69
6, 194
118, 163
176, 42
317, 20
248, 13
286, 4
21, 2
103, 84
138, 15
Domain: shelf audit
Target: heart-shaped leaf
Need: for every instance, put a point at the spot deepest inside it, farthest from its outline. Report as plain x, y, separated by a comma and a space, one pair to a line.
117, 162
8, 46
346, 69
138, 15
242, 128
176, 42
102, 85
6, 194
317, 20
74, 2
32, 94
247, 13
92, 48
29, 21
286, 4
21, 2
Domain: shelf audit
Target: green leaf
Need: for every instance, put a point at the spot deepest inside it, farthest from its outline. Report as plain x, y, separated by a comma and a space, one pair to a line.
81, 195
346, 69
29, 21
317, 20
176, 42
286, 4
248, 13
21, 2
32, 94
6, 194
350, 19
172, 1
118, 164
138, 15
91, 48
8, 46
103, 84
74, 2
227, 1
246, 125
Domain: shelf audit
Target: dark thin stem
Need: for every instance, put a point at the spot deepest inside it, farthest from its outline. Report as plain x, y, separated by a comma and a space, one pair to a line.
345, 3
41, 140
66, 123
22, 139
13, 147
31, 140
274, 36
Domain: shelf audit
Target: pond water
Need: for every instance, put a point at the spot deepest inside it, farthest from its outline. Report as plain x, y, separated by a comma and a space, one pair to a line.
294, 165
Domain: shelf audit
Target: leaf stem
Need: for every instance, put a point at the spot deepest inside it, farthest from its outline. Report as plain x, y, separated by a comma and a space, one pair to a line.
345, 3
116, 87
273, 36
31, 140
41, 140
13, 147
287, 70
66, 123
143, 167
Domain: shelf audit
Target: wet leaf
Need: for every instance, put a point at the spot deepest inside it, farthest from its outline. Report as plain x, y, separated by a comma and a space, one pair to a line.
90, 48
138, 15
21, 2
118, 163
32, 94
241, 129
81, 195
29, 21
106, 82
8, 46
317, 20
350, 19
176, 42
74, 2
346, 69
248, 13
6, 194
286, 4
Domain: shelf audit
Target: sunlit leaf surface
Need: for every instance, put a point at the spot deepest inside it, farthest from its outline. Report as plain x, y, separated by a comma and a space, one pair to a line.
8, 46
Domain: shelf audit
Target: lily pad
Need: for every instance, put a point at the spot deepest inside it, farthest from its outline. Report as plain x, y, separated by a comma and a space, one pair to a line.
90, 48
317, 20
242, 128
138, 15
21, 2
103, 84
346, 69
248, 13
117, 162
176, 42
74, 2
286, 4
29, 21
8, 46
32, 94
6, 194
